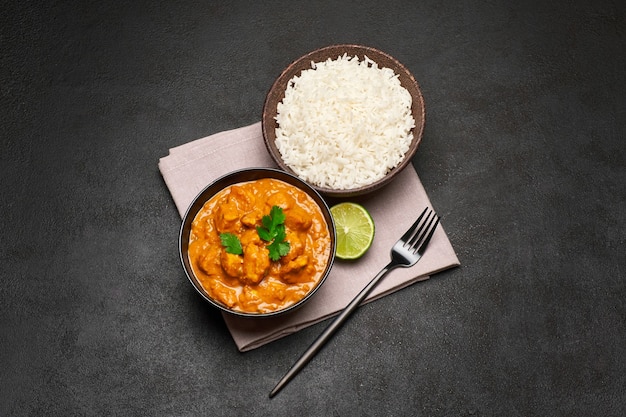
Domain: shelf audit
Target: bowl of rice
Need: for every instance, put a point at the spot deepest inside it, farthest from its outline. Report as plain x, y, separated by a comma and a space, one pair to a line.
344, 118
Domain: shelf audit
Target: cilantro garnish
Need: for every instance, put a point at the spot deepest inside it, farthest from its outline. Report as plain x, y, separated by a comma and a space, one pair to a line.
273, 230
231, 243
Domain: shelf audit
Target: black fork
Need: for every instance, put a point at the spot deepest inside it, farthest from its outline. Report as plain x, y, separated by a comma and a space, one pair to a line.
405, 253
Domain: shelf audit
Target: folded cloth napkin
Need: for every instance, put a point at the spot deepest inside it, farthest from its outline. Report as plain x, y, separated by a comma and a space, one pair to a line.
191, 167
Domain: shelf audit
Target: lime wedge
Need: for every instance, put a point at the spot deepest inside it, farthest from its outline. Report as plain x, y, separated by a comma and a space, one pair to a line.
355, 230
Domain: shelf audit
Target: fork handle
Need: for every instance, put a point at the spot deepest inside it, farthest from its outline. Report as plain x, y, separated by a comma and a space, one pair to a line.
331, 329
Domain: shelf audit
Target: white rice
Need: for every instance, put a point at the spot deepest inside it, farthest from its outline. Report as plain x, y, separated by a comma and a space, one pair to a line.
344, 123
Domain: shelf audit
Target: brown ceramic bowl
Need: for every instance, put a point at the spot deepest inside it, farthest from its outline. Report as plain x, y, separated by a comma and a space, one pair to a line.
236, 177
277, 93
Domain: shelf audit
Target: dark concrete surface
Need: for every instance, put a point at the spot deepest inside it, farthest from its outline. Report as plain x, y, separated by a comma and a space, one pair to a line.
523, 155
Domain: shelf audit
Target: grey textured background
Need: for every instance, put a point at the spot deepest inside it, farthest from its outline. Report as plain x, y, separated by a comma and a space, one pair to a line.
523, 155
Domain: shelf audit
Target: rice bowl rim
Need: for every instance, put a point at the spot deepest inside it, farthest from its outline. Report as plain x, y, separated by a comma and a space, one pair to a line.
277, 93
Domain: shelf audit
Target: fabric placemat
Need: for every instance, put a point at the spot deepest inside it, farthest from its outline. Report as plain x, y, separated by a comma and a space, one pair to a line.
191, 167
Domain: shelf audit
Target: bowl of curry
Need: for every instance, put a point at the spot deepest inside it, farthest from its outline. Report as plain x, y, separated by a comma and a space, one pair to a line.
257, 242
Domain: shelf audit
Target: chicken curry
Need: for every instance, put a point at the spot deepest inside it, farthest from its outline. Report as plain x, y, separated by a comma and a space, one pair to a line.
259, 246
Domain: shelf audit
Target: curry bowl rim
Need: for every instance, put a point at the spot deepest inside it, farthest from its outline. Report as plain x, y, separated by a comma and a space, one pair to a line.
239, 176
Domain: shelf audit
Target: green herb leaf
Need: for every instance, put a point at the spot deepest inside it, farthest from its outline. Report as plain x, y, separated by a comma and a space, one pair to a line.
231, 243
278, 249
273, 230
264, 234
281, 233
268, 225
284, 248
277, 215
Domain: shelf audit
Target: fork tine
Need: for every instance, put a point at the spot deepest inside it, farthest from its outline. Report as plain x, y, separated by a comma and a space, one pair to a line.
413, 229
424, 242
418, 235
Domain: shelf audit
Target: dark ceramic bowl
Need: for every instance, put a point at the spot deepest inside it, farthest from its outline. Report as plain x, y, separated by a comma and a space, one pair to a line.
235, 178
277, 93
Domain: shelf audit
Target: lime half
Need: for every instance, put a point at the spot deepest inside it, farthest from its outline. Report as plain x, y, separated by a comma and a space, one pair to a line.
355, 230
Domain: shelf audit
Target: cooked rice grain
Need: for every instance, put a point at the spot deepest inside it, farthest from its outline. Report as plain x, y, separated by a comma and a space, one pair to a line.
344, 123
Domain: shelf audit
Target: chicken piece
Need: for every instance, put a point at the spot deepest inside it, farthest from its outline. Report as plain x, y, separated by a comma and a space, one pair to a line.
249, 299
232, 264
276, 291
222, 293
297, 270
298, 219
227, 218
297, 264
250, 236
296, 247
282, 200
209, 261
256, 263
252, 218
243, 197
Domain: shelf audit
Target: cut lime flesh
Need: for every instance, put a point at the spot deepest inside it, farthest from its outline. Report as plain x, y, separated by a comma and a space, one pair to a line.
355, 230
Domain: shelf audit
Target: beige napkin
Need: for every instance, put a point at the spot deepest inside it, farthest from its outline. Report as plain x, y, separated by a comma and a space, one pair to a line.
190, 167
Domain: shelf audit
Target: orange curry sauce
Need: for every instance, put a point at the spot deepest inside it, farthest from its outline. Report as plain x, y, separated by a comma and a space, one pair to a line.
251, 282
